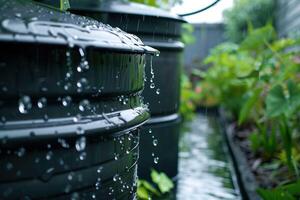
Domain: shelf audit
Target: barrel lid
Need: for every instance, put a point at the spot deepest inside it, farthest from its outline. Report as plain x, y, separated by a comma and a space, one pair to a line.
29, 22
123, 7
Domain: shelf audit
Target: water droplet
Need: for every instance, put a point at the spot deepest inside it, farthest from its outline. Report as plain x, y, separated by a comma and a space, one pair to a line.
98, 184
115, 178
70, 176
152, 85
77, 118
21, 152
158, 91
82, 156
155, 142
93, 196
63, 143
42, 102
49, 155
155, 160
83, 66
80, 144
25, 104
82, 83
84, 105
150, 131
99, 170
116, 156
66, 101
80, 130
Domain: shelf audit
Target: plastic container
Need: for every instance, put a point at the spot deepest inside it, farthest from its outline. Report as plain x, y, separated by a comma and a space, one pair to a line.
70, 105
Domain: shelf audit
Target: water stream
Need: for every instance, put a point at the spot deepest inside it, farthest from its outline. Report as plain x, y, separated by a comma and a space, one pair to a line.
205, 168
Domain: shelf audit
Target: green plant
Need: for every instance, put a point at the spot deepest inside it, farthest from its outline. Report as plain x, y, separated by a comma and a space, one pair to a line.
286, 192
189, 97
163, 185
264, 140
258, 82
245, 12
187, 36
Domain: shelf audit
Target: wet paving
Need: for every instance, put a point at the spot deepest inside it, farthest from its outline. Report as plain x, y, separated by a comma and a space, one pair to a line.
205, 168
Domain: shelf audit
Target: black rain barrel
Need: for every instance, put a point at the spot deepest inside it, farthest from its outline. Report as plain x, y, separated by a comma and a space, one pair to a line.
70, 105
161, 30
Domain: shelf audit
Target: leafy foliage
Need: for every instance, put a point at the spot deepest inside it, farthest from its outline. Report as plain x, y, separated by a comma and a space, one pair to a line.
163, 185
286, 192
189, 97
258, 82
245, 12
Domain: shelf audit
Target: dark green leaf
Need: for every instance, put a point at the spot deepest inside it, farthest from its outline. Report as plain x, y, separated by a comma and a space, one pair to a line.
248, 105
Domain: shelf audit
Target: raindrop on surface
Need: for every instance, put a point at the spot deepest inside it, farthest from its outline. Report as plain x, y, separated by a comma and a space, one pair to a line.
150, 131
83, 66
115, 178
80, 144
25, 104
98, 184
80, 130
155, 160
21, 152
49, 155
66, 101
84, 105
99, 170
82, 156
152, 85
82, 83
70, 176
155, 142
116, 156
158, 91
42, 102
77, 118
63, 143
93, 196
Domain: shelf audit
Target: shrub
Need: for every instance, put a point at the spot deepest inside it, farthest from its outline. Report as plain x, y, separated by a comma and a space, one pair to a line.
245, 12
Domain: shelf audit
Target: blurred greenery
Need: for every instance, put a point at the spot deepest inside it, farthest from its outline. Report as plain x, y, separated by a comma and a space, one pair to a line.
257, 81
246, 12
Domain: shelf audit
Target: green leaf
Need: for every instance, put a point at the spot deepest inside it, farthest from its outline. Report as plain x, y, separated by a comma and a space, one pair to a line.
248, 105
275, 101
64, 4
294, 96
163, 182
258, 37
293, 188
142, 193
275, 194
149, 187
286, 137
278, 103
